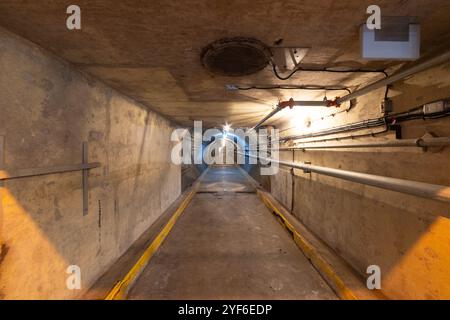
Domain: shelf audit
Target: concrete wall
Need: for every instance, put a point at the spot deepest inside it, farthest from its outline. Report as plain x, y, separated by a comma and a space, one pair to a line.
46, 111
191, 172
408, 237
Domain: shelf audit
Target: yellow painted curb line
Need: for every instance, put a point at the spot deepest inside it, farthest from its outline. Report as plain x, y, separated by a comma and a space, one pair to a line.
336, 282
121, 288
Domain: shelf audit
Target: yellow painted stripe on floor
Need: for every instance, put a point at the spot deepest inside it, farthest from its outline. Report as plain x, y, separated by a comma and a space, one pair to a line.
121, 288
339, 286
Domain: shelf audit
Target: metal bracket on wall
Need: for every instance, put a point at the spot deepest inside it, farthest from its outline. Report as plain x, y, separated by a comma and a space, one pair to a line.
306, 170
397, 129
432, 149
85, 166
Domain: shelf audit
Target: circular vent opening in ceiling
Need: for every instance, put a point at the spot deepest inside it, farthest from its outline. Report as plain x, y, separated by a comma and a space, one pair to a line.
235, 56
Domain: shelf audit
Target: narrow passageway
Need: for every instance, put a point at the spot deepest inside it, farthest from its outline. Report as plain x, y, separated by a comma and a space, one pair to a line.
202, 149
227, 245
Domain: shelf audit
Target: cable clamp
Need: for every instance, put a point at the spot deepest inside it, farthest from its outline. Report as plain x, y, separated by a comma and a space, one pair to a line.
304, 169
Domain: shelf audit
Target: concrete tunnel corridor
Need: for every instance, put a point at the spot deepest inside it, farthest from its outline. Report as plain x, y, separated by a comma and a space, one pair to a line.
224, 151
227, 245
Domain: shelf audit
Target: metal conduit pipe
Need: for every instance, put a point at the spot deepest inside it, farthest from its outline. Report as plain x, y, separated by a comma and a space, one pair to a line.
415, 188
371, 123
291, 103
270, 115
303, 103
365, 124
347, 137
365, 90
419, 143
396, 77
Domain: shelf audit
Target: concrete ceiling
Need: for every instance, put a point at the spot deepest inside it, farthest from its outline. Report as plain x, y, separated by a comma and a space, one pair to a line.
150, 50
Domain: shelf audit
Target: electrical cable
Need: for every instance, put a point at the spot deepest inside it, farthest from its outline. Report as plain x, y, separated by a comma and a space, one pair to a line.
390, 119
294, 87
370, 134
274, 68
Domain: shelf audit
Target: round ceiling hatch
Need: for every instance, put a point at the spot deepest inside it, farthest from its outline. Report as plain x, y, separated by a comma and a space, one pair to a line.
235, 56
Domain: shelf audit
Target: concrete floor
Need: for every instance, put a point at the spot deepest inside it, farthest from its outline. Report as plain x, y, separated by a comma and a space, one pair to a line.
227, 245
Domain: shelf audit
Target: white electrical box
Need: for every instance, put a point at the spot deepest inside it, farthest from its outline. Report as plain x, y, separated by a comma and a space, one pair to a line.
396, 40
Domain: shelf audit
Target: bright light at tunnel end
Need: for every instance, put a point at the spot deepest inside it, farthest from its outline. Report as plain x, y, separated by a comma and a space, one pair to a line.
226, 128
226, 147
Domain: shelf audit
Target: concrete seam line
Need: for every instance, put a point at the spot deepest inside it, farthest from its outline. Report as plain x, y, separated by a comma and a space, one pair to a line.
120, 290
331, 277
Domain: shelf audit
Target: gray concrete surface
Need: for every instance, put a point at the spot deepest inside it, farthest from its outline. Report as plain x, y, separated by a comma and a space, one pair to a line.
227, 245
47, 109
406, 236
222, 179
152, 54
